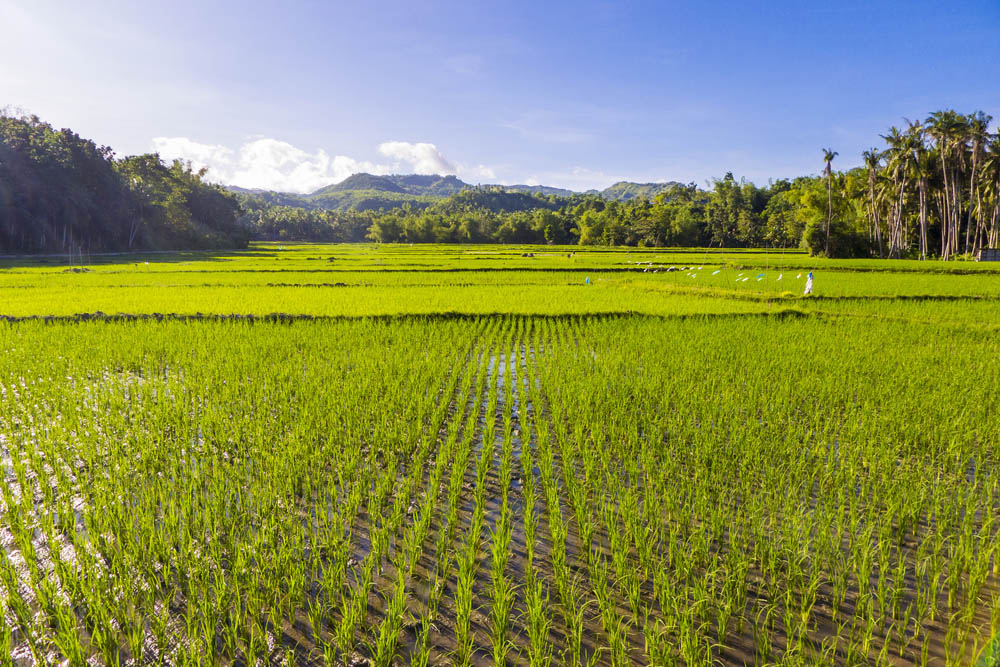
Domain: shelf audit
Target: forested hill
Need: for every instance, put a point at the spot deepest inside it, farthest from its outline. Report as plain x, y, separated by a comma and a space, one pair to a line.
625, 190
369, 192
60, 193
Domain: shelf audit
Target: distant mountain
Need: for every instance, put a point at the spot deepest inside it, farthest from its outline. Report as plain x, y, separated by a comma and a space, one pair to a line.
541, 190
272, 197
369, 191
367, 200
493, 199
360, 182
626, 190
418, 184
414, 184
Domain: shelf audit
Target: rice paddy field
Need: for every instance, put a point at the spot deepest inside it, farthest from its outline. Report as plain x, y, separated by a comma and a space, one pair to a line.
462, 455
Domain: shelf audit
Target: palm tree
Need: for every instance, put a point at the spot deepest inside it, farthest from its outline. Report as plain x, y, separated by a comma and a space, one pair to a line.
897, 158
828, 156
948, 128
919, 165
990, 179
978, 134
872, 160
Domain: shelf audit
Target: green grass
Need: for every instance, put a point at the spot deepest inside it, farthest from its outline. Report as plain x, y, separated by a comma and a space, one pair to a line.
352, 280
474, 457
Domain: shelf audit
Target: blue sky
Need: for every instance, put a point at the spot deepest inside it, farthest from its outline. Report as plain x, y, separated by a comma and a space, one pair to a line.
295, 95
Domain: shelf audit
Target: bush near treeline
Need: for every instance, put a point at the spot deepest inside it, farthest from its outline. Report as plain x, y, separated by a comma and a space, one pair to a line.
60, 193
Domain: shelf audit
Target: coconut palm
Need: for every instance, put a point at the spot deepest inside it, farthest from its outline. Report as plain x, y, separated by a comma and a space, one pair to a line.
947, 128
978, 133
873, 160
990, 182
828, 155
897, 157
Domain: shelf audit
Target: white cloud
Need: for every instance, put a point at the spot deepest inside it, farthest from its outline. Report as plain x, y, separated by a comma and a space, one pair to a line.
200, 155
423, 158
265, 163
479, 173
271, 164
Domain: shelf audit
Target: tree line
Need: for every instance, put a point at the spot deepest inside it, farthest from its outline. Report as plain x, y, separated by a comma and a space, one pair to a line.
730, 214
60, 193
933, 190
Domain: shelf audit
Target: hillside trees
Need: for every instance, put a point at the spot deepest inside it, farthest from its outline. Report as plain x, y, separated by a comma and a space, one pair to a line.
60, 193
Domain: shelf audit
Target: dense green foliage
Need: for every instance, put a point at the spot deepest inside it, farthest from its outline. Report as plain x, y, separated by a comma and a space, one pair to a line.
935, 190
61, 193
498, 455
731, 214
625, 190
414, 184
362, 192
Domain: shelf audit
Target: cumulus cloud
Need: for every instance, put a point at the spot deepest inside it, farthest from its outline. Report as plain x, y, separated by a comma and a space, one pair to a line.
479, 173
182, 148
265, 163
271, 164
423, 158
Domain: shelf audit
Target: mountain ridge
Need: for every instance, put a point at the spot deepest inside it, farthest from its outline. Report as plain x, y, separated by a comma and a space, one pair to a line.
364, 191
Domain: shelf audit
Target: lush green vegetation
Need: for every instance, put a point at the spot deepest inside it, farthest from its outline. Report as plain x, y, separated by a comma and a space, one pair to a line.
527, 455
60, 193
933, 191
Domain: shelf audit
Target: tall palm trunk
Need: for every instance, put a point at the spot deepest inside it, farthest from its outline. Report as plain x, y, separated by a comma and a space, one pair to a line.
992, 239
829, 211
828, 156
922, 186
946, 211
873, 214
972, 182
956, 213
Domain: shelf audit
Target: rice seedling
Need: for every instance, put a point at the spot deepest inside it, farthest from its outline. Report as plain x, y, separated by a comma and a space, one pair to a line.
563, 487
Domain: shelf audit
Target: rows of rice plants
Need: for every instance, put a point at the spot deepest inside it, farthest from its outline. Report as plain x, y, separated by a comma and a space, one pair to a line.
487, 299
380, 281
783, 498
498, 490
